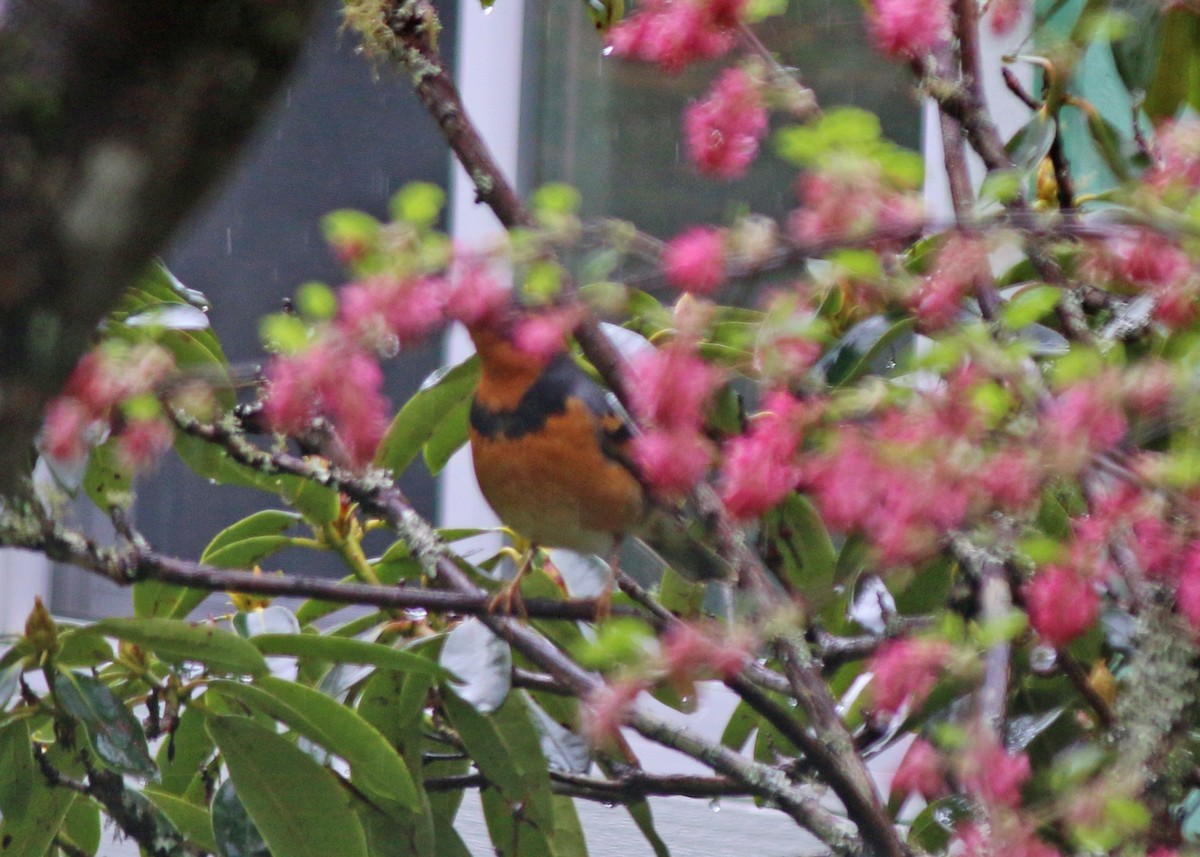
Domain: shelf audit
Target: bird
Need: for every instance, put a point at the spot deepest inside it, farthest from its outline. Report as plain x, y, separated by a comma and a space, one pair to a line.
552, 455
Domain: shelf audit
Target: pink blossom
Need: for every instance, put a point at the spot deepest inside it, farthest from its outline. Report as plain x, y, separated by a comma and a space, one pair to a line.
544, 335
476, 295
142, 441
1061, 604
1012, 839
994, 775
673, 462
1010, 479
63, 436
1157, 546
908, 29
722, 132
1148, 259
906, 670
606, 709
960, 264
675, 33
760, 466
1178, 163
695, 260
849, 204
1004, 15
669, 388
688, 651
1187, 593
1082, 419
922, 770
373, 310
332, 380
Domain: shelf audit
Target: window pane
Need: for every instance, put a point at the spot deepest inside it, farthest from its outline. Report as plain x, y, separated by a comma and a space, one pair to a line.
612, 128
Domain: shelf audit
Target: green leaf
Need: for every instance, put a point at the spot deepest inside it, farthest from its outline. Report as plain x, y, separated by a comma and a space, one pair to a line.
34, 817
932, 828
180, 758
871, 346
1180, 30
1135, 53
296, 804
316, 300
233, 830
418, 203
81, 827
115, 732
556, 198
319, 504
191, 821
81, 650
1029, 306
242, 544
108, 483
424, 414
175, 640
481, 662
449, 438
323, 647
1109, 144
375, 765
1032, 141
274, 619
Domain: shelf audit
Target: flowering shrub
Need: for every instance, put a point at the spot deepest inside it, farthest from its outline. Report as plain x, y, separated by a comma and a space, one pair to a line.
936, 481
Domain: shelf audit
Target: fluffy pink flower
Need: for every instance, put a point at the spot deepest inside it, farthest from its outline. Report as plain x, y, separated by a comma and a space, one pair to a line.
922, 770
848, 205
908, 29
64, 432
959, 266
695, 260
1178, 162
374, 310
994, 775
1010, 478
605, 711
1004, 15
670, 387
475, 295
331, 380
1080, 420
688, 651
760, 466
141, 442
1187, 593
675, 33
906, 670
1061, 604
673, 462
722, 132
543, 335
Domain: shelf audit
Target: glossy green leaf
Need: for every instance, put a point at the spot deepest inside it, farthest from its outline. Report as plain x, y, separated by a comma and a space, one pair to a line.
179, 759
81, 827
871, 346
1032, 141
81, 650
481, 663
1030, 306
342, 650
116, 734
1108, 142
33, 811
450, 437
319, 504
10, 675
177, 640
273, 619
107, 482
423, 416
234, 832
244, 543
192, 821
931, 829
1135, 54
375, 765
564, 749
1168, 89
297, 805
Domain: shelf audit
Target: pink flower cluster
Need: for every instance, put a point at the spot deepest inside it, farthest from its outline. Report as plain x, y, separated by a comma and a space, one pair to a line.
761, 467
89, 408
722, 131
906, 670
670, 389
994, 775
689, 652
1157, 266
1178, 162
694, 261
675, 33
908, 29
334, 379
922, 771
960, 265
605, 710
384, 313
1082, 420
1062, 604
849, 204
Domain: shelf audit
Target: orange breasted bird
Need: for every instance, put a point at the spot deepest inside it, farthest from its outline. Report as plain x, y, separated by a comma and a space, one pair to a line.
552, 457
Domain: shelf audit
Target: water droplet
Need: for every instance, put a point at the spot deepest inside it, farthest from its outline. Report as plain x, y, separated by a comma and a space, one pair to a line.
606, 51
487, 10
608, 804
714, 805
1042, 659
